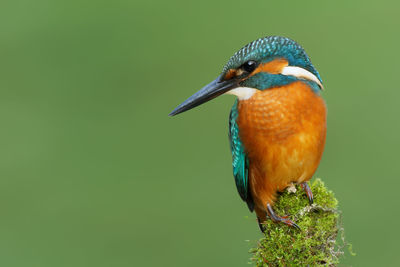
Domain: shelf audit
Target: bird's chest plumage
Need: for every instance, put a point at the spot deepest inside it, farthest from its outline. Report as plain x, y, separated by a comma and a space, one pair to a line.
283, 131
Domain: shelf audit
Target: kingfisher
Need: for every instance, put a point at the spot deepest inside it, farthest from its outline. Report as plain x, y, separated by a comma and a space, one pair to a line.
277, 125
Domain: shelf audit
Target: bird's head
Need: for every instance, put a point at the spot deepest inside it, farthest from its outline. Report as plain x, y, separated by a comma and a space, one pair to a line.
262, 64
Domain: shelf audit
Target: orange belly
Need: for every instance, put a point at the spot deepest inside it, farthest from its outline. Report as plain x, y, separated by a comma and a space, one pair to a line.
283, 130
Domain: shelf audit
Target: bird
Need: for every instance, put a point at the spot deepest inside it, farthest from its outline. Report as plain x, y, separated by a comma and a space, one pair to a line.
277, 124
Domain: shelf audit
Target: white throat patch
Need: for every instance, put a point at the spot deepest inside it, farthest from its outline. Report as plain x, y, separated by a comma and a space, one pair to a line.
242, 93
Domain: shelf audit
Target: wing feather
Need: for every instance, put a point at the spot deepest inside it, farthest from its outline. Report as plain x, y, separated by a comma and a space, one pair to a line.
240, 161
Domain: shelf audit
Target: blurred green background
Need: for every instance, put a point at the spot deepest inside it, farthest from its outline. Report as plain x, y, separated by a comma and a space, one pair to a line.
94, 173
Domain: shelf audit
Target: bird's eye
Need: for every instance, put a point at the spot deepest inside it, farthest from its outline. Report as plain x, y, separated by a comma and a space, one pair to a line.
249, 66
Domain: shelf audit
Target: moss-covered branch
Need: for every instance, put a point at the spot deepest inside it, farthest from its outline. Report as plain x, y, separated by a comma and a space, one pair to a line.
315, 244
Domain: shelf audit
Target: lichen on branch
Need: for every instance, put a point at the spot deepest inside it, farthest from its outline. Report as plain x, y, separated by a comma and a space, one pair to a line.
315, 244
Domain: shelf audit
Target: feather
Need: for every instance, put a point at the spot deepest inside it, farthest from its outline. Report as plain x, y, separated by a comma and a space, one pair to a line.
239, 159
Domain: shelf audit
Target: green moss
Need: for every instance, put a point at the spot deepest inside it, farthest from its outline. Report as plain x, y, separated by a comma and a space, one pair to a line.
315, 244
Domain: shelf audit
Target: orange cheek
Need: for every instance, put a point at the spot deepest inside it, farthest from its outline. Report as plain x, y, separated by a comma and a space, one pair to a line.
274, 67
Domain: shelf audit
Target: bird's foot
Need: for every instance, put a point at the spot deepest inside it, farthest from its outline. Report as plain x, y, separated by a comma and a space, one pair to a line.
308, 191
277, 218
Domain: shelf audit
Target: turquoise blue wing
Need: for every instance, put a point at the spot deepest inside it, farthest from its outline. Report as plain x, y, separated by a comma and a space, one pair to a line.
239, 159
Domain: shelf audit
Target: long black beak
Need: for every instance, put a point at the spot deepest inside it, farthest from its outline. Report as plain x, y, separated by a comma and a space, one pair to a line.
208, 92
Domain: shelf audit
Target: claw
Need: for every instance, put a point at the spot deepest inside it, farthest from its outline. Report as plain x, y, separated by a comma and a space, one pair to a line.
262, 228
277, 218
308, 191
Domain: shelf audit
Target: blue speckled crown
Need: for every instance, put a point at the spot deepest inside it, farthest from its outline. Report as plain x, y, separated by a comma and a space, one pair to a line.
271, 47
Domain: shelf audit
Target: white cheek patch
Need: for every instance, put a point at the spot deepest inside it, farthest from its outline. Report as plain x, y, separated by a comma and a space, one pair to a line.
242, 93
301, 73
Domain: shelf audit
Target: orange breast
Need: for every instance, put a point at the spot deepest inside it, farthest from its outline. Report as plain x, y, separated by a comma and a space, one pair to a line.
283, 131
